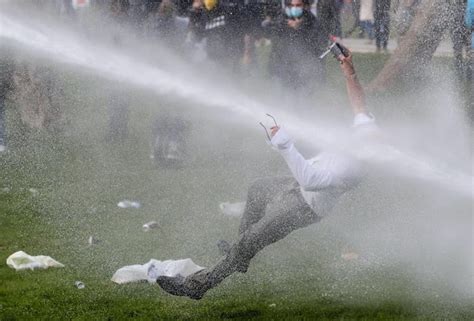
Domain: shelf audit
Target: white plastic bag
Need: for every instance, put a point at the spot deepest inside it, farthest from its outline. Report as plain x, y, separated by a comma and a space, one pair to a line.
129, 204
232, 209
22, 261
153, 269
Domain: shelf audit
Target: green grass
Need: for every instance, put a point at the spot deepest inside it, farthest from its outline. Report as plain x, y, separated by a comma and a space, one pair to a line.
80, 179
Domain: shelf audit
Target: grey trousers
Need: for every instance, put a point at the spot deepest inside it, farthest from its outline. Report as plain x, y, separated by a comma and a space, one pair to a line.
274, 208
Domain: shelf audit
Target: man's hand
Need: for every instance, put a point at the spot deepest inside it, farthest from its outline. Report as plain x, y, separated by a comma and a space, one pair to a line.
280, 138
295, 23
346, 64
274, 130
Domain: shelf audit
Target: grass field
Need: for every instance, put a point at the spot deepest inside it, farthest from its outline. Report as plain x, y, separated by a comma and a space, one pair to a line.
80, 179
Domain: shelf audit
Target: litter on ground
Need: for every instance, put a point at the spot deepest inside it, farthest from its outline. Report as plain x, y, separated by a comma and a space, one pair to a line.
149, 226
232, 209
22, 261
153, 269
128, 204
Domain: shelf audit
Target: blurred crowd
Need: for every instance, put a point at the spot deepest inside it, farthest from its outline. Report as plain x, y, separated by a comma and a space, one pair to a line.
226, 33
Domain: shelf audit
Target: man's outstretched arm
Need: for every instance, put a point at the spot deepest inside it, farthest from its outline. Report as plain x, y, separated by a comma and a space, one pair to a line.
309, 177
354, 89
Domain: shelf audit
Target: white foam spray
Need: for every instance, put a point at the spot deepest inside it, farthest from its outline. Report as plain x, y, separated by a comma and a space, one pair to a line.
393, 238
65, 47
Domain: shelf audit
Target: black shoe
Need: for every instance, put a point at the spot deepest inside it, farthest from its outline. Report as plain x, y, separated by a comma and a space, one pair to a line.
224, 247
176, 286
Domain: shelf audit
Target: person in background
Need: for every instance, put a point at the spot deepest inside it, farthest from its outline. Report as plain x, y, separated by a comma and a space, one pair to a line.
297, 41
119, 101
226, 29
6, 85
366, 18
160, 22
277, 206
382, 24
469, 20
329, 15
169, 140
459, 34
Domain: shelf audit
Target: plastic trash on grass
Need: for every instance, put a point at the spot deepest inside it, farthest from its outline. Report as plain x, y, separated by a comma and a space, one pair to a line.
34, 192
129, 204
22, 261
232, 209
92, 240
153, 269
150, 226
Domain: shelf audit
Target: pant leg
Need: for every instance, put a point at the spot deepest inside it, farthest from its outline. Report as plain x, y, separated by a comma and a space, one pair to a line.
260, 193
292, 213
378, 27
386, 32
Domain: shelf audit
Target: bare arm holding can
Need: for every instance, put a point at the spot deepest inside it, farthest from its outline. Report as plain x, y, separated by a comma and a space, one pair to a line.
354, 89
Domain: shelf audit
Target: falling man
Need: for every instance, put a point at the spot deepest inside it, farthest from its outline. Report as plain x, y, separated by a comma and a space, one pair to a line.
294, 202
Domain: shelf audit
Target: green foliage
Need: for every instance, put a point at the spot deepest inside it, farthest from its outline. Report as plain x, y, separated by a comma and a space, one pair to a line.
80, 178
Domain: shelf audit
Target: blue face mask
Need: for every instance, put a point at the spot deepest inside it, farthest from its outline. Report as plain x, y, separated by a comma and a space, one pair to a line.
294, 12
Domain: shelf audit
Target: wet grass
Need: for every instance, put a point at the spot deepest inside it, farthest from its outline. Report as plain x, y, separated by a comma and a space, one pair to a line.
80, 178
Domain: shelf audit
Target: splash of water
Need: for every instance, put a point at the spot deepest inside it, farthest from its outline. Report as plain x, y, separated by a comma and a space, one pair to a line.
64, 47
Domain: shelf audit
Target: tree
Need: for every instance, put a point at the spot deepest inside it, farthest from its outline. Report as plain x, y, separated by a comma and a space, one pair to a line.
416, 48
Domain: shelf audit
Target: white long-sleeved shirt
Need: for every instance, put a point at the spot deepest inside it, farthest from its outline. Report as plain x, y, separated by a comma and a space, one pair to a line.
324, 178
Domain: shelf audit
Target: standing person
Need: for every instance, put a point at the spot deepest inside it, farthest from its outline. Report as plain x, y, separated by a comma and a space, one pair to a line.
119, 101
355, 10
278, 206
161, 22
6, 84
328, 13
460, 35
297, 41
366, 17
169, 140
382, 24
469, 20
226, 28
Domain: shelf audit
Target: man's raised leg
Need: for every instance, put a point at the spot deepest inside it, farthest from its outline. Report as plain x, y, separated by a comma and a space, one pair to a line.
260, 193
291, 212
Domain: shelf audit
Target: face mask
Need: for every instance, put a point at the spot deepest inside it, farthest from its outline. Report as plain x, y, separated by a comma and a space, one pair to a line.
293, 12
296, 12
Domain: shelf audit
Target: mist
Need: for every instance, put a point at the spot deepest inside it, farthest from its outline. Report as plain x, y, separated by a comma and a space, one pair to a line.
414, 213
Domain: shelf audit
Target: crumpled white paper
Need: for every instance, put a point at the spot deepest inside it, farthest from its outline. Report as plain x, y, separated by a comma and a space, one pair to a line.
22, 261
153, 269
232, 209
